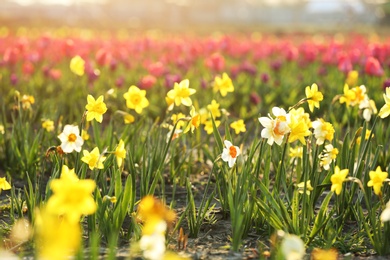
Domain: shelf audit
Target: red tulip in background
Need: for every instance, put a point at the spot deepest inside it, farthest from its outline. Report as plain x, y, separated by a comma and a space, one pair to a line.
373, 67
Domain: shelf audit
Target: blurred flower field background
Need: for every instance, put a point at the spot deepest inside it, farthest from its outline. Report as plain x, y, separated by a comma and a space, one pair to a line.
130, 143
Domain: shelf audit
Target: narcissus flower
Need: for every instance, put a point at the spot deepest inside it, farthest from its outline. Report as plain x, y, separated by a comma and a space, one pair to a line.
94, 159
181, 93
120, 153
4, 185
128, 119
71, 197
385, 110
369, 108
275, 129
71, 139
337, 179
313, 96
328, 156
95, 108
230, 153
292, 247
214, 108
299, 129
176, 119
238, 126
48, 125
194, 122
136, 99
385, 216
56, 236
77, 65
323, 131
223, 85
377, 178
27, 101
208, 126
301, 187
296, 152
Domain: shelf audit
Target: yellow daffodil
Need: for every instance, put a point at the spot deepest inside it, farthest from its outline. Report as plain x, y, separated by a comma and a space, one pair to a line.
348, 97
324, 254
275, 129
214, 109
208, 126
71, 139
84, 135
313, 96
298, 129
71, 197
354, 96
2, 130
152, 211
136, 99
377, 178
4, 185
95, 108
120, 153
223, 85
175, 119
56, 236
48, 125
181, 93
27, 101
296, 152
337, 179
301, 187
194, 122
368, 133
352, 78
128, 119
323, 131
238, 126
385, 110
77, 65
94, 159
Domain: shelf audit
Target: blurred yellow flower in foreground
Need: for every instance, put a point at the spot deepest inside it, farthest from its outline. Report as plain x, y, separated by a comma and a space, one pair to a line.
57, 237
223, 85
94, 159
4, 185
71, 197
77, 65
95, 108
324, 254
337, 179
136, 99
